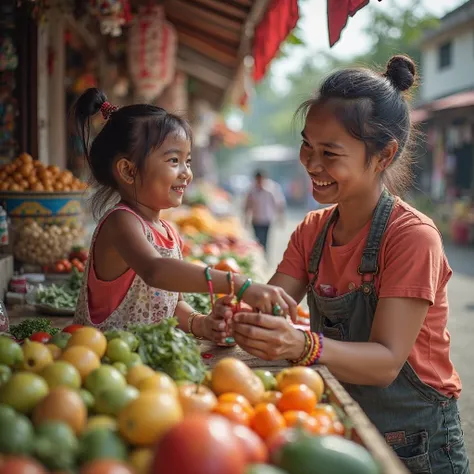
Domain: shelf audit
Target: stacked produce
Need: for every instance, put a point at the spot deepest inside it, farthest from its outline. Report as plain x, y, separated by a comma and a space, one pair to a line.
142, 402
26, 174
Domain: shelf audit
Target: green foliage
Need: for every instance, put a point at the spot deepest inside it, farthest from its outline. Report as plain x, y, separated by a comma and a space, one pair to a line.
391, 30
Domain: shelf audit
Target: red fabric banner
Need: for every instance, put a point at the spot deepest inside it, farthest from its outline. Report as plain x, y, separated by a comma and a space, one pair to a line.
339, 12
277, 23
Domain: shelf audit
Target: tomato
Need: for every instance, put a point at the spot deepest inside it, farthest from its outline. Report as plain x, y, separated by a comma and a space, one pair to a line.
67, 265
59, 267
254, 448
72, 327
211, 249
301, 419
297, 397
200, 444
233, 412
21, 465
42, 337
228, 265
279, 439
267, 420
106, 466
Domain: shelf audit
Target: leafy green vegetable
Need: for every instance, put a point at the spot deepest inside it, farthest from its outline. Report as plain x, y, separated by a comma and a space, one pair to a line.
166, 348
28, 327
198, 301
61, 296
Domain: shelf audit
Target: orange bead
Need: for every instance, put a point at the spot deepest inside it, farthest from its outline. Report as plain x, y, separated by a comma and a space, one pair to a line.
267, 420
297, 397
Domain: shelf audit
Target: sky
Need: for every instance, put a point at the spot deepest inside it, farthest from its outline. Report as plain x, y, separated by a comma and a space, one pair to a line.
313, 25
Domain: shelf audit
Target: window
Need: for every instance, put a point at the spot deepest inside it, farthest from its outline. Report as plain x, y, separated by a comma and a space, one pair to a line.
444, 55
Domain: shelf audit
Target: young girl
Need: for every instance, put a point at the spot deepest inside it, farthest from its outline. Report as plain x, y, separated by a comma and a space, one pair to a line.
374, 270
142, 160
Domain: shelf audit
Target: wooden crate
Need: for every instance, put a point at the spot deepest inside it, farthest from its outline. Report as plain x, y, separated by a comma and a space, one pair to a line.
359, 427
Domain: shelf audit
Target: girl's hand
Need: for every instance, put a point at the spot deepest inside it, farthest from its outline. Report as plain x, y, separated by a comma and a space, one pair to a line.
265, 297
267, 337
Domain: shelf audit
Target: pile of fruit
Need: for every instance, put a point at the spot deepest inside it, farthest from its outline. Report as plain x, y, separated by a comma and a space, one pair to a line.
77, 260
26, 174
84, 402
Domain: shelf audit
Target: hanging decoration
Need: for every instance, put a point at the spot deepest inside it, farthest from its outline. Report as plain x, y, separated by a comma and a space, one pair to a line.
39, 8
112, 15
151, 52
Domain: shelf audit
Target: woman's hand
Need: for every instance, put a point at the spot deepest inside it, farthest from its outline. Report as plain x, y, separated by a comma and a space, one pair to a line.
266, 297
268, 337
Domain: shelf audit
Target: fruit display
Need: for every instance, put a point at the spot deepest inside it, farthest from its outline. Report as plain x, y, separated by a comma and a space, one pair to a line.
44, 245
92, 406
26, 174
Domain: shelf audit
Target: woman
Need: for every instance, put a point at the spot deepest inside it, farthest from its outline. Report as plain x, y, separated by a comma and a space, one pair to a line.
374, 270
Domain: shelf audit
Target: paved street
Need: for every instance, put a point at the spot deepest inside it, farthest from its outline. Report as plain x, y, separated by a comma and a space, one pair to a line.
461, 324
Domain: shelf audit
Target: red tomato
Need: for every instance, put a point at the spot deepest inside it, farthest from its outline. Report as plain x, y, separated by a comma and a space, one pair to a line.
72, 327
42, 337
279, 439
254, 448
67, 265
21, 465
200, 444
60, 268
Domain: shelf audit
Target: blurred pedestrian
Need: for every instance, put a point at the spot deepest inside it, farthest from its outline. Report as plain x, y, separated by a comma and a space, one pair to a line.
264, 205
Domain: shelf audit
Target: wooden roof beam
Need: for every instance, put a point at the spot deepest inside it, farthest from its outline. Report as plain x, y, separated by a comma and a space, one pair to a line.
204, 74
229, 8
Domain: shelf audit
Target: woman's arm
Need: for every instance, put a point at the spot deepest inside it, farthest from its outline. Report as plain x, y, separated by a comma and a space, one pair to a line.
396, 326
295, 288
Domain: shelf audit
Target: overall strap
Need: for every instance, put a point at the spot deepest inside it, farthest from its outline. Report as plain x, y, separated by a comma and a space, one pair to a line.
317, 251
369, 262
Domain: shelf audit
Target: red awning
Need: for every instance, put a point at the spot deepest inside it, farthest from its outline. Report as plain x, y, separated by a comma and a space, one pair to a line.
339, 12
277, 23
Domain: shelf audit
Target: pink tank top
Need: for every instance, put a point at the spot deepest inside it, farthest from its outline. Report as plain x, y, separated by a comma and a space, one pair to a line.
108, 303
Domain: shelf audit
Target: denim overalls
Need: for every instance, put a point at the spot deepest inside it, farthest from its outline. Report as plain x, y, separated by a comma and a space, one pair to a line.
421, 424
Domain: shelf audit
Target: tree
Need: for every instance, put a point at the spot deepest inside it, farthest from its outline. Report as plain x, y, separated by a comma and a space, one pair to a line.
392, 30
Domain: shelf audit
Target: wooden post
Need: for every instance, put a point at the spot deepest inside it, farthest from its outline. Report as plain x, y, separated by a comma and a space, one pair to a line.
57, 92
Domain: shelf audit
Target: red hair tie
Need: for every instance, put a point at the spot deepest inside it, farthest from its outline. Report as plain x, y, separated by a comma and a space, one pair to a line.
107, 109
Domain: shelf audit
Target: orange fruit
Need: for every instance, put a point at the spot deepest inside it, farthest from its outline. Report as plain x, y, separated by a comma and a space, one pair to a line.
91, 338
62, 404
301, 376
146, 418
325, 409
137, 373
267, 420
231, 397
271, 396
233, 412
297, 397
301, 419
158, 382
85, 360
338, 428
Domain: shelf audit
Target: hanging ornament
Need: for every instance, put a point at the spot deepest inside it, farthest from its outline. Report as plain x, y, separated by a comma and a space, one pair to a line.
112, 15
151, 52
8, 56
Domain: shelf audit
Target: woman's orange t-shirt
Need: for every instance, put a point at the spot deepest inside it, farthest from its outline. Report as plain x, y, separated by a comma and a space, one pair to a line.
106, 296
412, 265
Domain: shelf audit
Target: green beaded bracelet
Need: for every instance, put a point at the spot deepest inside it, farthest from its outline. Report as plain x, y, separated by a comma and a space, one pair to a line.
244, 288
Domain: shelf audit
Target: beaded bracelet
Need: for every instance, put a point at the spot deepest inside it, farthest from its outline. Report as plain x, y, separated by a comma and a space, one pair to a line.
312, 349
207, 273
190, 323
245, 286
231, 280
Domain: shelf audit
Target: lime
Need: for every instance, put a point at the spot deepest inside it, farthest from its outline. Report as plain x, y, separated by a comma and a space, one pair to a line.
100, 422
269, 381
6, 412
121, 367
118, 351
5, 374
24, 391
263, 469
61, 373
101, 444
56, 446
111, 401
126, 336
134, 360
60, 339
10, 352
87, 398
105, 377
16, 435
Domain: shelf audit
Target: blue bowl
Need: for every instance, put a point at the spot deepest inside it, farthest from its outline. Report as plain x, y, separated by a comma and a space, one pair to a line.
46, 208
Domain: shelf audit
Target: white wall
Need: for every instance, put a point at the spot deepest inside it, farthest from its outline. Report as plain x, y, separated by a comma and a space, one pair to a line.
458, 76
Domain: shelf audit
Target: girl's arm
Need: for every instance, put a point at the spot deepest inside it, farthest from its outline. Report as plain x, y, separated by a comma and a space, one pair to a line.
125, 233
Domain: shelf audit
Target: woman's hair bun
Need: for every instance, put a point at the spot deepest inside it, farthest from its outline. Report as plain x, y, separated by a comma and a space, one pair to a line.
401, 72
90, 102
